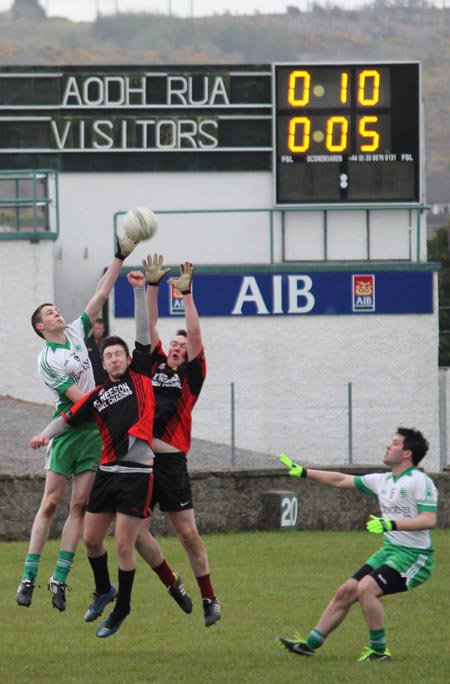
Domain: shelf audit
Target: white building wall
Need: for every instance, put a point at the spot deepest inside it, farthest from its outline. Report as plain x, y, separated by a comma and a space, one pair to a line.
291, 377
26, 280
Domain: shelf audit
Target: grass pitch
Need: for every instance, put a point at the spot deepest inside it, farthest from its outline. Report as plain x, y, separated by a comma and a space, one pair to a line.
270, 583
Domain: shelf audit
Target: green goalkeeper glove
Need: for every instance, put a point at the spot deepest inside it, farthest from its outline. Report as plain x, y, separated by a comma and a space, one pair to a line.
154, 271
294, 469
380, 525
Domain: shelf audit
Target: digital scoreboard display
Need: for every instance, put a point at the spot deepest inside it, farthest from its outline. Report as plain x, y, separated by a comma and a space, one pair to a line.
329, 133
346, 133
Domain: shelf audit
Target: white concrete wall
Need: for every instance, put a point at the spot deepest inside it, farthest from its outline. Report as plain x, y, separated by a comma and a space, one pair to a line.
26, 280
290, 373
291, 378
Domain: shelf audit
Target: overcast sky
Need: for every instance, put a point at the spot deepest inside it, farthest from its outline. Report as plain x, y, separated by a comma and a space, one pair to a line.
86, 10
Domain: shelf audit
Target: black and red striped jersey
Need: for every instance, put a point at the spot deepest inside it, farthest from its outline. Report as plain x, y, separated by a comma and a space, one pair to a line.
176, 393
121, 408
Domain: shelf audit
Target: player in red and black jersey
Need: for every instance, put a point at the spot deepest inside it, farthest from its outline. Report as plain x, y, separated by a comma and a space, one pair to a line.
123, 409
178, 378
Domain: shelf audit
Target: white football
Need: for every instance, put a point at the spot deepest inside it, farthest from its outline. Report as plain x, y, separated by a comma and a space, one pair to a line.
140, 223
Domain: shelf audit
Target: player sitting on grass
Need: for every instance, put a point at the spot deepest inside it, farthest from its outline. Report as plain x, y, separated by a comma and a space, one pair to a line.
408, 501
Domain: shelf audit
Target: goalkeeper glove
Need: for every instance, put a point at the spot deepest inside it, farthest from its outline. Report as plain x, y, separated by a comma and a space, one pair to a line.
154, 271
183, 283
124, 247
294, 469
380, 525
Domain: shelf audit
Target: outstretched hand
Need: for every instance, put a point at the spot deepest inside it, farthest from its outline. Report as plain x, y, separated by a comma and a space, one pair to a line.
295, 470
124, 247
154, 271
183, 282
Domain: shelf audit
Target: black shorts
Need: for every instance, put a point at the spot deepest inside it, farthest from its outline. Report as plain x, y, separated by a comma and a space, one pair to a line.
172, 486
122, 489
389, 580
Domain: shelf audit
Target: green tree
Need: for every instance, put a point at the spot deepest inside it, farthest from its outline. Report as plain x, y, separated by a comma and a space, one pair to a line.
439, 250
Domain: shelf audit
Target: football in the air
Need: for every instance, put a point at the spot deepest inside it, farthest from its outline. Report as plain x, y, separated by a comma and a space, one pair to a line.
140, 223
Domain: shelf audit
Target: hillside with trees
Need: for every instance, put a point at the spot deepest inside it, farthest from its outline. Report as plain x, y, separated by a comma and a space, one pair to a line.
409, 30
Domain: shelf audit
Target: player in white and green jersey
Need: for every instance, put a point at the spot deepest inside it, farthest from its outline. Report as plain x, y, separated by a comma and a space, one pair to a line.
63, 365
407, 498
66, 369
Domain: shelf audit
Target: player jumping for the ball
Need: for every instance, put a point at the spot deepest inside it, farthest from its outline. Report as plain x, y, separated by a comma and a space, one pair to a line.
66, 369
408, 501
178, 378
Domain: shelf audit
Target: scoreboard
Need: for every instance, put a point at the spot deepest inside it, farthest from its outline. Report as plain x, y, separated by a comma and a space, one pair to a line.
347, 133
329, 133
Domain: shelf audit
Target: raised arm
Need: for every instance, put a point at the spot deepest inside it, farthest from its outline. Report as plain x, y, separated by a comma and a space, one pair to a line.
137, 282
154, 273
106, 283
194, 334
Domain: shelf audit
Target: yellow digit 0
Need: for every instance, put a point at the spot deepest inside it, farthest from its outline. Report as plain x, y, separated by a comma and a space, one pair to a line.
340, 124
363, 80
295, 76
294, 124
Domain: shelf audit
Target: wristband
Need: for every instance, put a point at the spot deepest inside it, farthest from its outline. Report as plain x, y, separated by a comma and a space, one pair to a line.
153, 284
118, 254
393, 525
185, 292
304, 471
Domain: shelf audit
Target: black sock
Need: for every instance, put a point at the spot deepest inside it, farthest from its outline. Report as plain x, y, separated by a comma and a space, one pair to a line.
101, 573
126, 579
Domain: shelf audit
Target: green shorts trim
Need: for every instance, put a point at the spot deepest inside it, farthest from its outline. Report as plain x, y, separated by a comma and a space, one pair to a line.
75, 451
415, 565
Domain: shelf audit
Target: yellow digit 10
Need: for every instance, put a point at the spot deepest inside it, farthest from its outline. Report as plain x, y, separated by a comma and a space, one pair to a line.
368, 94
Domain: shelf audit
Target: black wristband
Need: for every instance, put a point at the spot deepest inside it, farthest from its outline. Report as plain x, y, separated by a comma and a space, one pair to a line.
394, 524
304, 471
118, 253
185, 292
153, 284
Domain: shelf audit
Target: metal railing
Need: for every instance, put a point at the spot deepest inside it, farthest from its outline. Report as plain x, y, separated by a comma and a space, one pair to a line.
415, 211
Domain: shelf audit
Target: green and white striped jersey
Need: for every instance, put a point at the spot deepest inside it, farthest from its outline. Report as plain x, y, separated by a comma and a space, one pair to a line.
63, 365
401, 497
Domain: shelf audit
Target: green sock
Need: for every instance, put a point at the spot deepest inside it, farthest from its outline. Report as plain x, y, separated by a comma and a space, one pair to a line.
63, 565
31, 567
378, 640
315, 639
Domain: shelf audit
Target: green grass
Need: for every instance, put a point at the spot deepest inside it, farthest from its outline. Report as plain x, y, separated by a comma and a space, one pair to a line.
270, 583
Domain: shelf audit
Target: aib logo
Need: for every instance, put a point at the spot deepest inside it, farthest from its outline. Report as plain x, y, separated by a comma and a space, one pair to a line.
363, 293
176, 301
